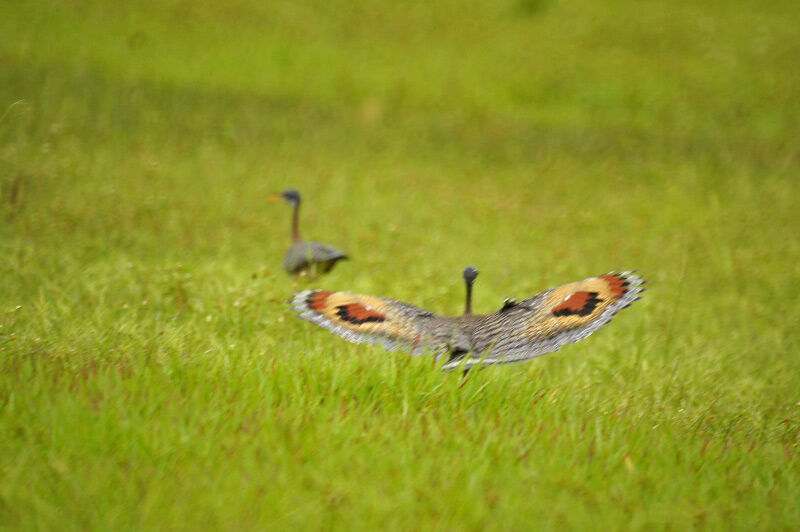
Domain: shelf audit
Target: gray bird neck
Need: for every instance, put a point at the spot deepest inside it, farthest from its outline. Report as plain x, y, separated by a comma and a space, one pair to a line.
468, 308
296, 222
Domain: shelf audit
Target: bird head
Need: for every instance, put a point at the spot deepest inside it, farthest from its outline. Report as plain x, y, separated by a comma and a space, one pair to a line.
470, 274
289, 195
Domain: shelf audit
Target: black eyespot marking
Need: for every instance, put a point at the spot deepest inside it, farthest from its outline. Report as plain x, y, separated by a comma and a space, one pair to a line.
358, 314
578, 304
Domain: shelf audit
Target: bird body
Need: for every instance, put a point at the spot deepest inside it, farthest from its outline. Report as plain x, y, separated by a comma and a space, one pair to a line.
517, 332
311, 258
305, 258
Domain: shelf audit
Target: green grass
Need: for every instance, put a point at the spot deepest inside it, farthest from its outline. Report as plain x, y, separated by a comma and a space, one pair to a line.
151, 375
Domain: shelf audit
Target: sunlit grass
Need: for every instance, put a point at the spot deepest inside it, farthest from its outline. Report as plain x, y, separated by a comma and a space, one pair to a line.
152, 376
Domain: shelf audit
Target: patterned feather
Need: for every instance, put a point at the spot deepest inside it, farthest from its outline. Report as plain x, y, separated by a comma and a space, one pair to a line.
369, 319
515, 333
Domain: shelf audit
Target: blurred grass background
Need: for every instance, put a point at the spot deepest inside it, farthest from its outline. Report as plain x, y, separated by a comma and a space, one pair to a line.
153, 378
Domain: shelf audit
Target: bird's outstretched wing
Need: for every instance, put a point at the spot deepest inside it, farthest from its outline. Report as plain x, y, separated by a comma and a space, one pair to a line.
369, 319
547, 321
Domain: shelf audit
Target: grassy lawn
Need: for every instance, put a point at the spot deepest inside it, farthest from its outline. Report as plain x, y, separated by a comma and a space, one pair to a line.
151, 375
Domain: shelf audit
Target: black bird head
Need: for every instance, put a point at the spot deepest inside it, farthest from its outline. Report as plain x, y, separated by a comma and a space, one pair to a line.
289, 195
470, 274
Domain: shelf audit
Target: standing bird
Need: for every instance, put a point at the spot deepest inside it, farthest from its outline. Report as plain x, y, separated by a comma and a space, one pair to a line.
305, 258
517, 332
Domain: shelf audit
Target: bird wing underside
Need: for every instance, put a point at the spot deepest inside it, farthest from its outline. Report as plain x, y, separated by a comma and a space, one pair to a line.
369, 319
551, 319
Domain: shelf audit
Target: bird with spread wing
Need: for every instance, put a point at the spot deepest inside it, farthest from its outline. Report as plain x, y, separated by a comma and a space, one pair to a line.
519, 331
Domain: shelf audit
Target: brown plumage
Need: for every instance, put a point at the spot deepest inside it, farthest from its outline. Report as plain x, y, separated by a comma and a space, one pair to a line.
517, 332
305, 258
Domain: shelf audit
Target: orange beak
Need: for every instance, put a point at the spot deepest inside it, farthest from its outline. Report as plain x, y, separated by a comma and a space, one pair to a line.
275, 196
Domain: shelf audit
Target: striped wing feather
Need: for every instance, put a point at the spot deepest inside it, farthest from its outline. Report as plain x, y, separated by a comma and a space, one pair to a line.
551, 319
369, 319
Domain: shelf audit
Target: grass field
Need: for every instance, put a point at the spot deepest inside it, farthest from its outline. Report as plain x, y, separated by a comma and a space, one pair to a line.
152, 375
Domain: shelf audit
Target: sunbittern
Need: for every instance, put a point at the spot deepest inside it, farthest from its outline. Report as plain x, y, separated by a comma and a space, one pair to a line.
517, 332
304, 257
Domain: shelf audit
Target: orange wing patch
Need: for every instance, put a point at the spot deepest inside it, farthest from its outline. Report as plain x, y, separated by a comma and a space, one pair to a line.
357, 314
616, 284
318, 299
578, 304
353, 311
363, 318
